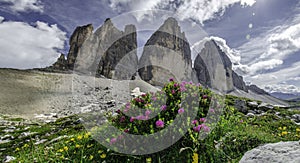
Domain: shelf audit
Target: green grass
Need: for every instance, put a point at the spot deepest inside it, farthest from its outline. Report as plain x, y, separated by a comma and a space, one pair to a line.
233, 135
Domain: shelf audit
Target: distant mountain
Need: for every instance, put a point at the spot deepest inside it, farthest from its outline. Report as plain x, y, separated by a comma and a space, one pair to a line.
287, 96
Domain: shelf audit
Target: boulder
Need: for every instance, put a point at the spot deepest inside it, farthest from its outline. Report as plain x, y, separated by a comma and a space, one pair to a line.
275, 152
265, 107
241, 106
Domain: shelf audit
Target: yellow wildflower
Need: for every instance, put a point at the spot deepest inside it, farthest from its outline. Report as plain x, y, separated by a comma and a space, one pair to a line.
149, 160
89, 146
17, 149
79, 137
66, 148
87, 135
72, 139
284, 133
91, 157
25, 146
77, 146
284, 128
103, 155
279, 128
195, 158
100, 151
298, 129
60, 150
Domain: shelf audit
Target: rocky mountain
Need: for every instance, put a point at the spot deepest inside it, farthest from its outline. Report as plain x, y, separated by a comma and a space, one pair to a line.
109, 52
217, 64
103, 52
166, 55
112, 53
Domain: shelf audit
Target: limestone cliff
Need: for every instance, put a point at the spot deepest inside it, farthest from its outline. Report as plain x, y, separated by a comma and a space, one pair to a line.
109, 52
166, 55
77, 39
214, 68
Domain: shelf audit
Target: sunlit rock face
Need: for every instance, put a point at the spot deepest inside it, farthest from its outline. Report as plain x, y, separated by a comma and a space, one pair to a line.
166, 55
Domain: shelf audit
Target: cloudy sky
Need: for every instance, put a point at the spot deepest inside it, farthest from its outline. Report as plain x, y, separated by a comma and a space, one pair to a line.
261, 37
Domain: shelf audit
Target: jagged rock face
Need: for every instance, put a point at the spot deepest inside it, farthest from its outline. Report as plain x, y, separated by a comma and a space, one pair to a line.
110, 52
78, 37
215, 62
61, 63
166, 55
202, 71
238, 82
257, 90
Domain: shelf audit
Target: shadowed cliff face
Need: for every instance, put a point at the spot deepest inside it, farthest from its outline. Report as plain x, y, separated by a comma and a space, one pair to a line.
106, 49
76, 41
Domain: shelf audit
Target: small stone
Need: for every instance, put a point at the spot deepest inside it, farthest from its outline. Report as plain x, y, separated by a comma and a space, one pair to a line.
250, 115
9, 158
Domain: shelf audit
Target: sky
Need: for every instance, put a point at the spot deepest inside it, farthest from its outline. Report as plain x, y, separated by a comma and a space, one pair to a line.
261, 37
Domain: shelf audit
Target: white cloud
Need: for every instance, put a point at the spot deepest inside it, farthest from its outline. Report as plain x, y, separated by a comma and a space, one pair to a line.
199, 10
1, 19
233, 54
284, 88
24, 46
25, 5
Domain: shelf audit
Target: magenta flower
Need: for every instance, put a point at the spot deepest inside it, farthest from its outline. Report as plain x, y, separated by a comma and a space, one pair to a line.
205, 128
171, 79
212, 110
163, 107
194, 122
197, 128
132, 119
126, 130
173, 91
113, 140
202, 120
140, 117
241, 121
147, 112
122, 119
180, 111
159, 124
204, 96
118, 111
175, 85
154, 98
127, 106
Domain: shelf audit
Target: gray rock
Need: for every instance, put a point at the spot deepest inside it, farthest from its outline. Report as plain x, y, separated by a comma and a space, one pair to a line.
284, 152
109, 52
296, 118
250, 115
166, 55
8, 158
77, 39
217, 68
252, 111
265, 107
253, 104
257, 90
241, 106
238, 82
